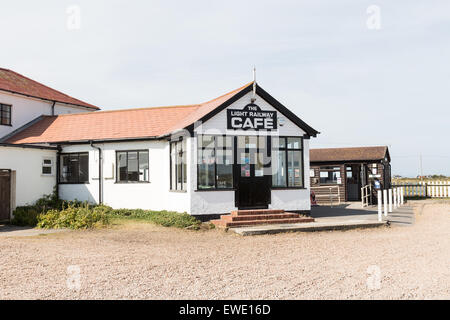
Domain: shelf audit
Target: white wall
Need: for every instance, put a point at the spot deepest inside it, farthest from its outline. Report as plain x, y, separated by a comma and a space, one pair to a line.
155, 195
25, 109
26, 164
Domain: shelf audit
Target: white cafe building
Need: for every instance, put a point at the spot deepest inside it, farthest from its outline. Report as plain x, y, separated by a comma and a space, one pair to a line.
242, 150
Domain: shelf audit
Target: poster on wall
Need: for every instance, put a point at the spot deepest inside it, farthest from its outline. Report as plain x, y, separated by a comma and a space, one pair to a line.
251, 117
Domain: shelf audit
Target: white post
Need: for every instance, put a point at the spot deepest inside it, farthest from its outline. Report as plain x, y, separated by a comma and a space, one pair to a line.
441, 187
362, 197
395, 198
379, 204
390, 200
385, 202
402, 196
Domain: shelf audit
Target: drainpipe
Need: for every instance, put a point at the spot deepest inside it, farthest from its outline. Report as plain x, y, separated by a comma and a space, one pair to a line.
100, 176
58, 168
53, 108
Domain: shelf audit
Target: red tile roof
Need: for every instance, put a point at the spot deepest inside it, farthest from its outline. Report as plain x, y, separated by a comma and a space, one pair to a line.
117, 124
348, 154
16, 83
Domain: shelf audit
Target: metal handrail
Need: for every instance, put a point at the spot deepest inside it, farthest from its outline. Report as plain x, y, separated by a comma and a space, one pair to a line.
330, 195
366, 195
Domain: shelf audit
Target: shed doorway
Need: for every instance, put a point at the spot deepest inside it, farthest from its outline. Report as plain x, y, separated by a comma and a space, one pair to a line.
5, 194
353, 177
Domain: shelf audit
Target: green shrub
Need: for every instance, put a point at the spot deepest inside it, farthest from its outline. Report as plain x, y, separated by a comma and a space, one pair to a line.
26, 215
164, 218
74, 217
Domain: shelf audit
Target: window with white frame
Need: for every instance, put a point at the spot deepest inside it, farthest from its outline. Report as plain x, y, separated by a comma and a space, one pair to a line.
47, 166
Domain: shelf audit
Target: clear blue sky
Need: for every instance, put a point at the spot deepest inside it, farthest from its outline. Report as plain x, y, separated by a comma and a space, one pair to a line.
358, 86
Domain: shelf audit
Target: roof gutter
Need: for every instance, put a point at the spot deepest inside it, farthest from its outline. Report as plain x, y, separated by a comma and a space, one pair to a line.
35, 97
100, 175
26, 146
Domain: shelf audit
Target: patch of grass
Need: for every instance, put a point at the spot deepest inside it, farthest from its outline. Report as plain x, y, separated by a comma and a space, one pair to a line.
163, 218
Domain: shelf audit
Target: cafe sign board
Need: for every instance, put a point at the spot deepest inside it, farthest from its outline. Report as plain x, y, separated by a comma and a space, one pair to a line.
251, 117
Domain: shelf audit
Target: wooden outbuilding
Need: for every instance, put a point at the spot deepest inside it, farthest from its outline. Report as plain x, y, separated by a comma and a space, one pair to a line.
341, 173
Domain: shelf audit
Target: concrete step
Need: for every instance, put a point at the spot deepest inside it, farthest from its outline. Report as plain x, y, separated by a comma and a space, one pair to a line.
259, 217
255, 212
231, 224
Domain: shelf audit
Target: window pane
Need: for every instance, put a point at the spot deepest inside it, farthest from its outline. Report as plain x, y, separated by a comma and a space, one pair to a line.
206, 161
224, 142
178, 155
133, 172
295, 168
278, 142
84, 168
64, 168
143, 166
73, 168
329, 175
206, 141
173, 165
46, 170
121, 166
5, 114
259, 165
224, 160
279, 168
224, 176
184, 165
294, 143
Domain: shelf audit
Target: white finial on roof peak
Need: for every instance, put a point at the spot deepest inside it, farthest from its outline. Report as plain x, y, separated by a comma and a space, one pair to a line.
254, 85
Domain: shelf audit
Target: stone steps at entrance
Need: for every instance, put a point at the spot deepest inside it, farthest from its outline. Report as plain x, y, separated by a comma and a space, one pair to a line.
241, 218
259, 217
255, 212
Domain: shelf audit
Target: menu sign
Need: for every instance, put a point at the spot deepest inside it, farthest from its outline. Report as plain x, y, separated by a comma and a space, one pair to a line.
251, 117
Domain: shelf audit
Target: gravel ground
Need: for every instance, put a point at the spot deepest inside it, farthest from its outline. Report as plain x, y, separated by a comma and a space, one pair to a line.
142, 261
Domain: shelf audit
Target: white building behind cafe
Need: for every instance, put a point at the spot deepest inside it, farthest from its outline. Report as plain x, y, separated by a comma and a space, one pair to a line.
242, 150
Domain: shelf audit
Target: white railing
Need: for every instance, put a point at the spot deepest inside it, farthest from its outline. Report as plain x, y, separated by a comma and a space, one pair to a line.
331, 196
389, 200
366, 196
425, 189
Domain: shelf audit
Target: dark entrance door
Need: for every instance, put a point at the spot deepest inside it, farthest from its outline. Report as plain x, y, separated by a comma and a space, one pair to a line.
251, 170
353, 176
5, 194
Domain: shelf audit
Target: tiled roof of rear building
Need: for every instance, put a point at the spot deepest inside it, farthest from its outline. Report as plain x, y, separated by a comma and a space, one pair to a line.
348, 154
16, 83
